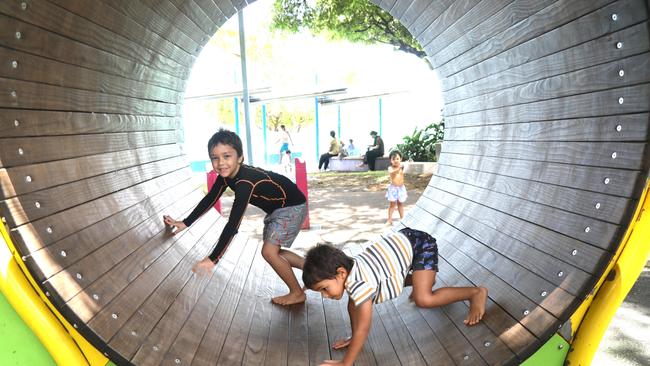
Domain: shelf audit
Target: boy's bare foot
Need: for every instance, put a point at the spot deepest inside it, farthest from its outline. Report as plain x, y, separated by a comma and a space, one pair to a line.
290, 298
476, 306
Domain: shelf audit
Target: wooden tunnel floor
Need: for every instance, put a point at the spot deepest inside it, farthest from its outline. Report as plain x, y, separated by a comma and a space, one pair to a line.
167, 315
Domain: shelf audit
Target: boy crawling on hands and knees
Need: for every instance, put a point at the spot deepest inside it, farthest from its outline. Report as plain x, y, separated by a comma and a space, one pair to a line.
377, 274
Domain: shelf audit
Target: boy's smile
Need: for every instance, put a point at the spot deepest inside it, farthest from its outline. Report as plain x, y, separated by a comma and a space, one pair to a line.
225, 160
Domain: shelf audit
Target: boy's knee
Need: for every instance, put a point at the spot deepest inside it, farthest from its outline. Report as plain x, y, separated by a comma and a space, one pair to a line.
268, 251
419, 300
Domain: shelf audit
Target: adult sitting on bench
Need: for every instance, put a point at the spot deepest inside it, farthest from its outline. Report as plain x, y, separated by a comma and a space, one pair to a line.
374, 151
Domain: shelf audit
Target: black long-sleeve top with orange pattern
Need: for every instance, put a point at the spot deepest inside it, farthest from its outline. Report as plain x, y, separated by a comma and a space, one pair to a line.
264, 189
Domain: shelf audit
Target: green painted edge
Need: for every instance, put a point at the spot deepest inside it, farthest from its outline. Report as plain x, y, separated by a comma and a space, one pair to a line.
18, 344
552, 353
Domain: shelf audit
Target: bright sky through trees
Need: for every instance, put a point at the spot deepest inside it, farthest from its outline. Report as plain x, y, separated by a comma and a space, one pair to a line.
295, 64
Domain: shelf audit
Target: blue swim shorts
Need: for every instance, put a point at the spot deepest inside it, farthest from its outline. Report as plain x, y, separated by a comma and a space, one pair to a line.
425, 249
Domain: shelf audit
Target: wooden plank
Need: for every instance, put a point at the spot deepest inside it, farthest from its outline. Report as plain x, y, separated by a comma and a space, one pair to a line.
277, 350
584, 55
22, 209
142, 282
22, 122
211, 344
66, 50
170, 302
226, 7
50, 17
523, 243
338, 327
428, 345
213, 11
413, 12
109, 18
148, 19
298, 352
198, 16
258, 335
97, 263
511, 14
587, 257
446, 19
428, 16
621, 182
505, 306
468, 20
30, 95
30, 150
486, 342
405, 347
624, 128
165, 9
44, 175
519, 276
46, 71
49, 260
317, 337
234, 345
185, 343
37, 234
598, 206
617, 155
398, 9
595, 78
538, 36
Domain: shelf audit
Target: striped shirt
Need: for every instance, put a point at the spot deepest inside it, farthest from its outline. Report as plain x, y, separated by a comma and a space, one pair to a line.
378, 272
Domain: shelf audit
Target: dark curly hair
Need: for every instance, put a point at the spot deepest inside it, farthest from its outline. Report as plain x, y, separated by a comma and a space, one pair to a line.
395, 152
226, 137
321, 263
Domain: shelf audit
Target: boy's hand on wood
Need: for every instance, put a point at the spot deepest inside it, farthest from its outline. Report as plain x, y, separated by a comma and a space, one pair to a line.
204, 267
173, 227
341, 343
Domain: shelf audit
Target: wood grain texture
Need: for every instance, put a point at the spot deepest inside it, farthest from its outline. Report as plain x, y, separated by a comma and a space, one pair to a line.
588, 54
538, 36
73, 52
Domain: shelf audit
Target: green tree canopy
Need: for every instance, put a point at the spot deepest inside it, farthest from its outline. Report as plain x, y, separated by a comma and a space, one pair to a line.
353, 20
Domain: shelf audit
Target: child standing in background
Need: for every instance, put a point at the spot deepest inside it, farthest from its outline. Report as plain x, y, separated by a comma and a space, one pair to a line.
396, 193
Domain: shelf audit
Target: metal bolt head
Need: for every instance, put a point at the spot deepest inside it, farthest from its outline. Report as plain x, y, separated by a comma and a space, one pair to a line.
47, 293
21, 151
177, 361
13, 94
619, 45
561, 346
621, 73
606, 180
587, 229
597, 205
28, 178
23, 5
560, 274
155, 348
75, 326
574, 252
621, 100
487, 344
134, 333
114, 316
543, 294
466, 357
37, 204
16, 123
49, 230
64, 254
18, 35
95, 297
526, 312
24, 258
614, 17
79, 276
619, 128
614, 155
14, 64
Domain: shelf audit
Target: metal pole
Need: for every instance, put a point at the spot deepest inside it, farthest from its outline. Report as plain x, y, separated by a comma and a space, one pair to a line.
316, 118
380, 117
244, 77
338, 112
236, 115
266, 156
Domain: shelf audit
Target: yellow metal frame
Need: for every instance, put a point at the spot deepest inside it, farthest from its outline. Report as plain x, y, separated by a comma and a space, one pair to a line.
593, 316
62, 341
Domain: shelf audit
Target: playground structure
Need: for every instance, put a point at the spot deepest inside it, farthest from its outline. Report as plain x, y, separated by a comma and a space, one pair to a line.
541, 193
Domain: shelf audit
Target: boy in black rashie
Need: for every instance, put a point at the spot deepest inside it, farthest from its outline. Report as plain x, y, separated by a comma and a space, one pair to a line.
283, 202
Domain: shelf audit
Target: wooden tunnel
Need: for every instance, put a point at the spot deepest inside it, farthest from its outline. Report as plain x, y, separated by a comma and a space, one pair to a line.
544, 160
